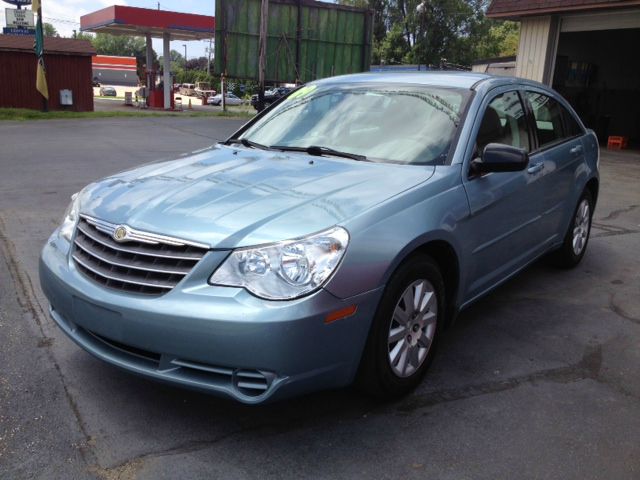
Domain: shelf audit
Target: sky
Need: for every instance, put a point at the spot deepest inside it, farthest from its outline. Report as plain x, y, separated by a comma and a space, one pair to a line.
65, 16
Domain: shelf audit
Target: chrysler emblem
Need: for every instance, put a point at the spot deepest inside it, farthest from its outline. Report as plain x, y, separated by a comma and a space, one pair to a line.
120, 233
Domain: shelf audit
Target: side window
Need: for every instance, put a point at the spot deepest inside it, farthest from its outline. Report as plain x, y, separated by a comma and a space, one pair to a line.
571, 125
548, 116
504, 122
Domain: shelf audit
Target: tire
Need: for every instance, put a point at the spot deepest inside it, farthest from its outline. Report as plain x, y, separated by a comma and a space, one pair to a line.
382, 372
576, 239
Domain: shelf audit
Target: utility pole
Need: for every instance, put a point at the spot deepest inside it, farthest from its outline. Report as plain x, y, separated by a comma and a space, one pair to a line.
264, 22
209, 57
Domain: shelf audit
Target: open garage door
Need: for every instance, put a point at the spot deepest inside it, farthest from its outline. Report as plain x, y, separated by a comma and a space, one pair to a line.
598, 70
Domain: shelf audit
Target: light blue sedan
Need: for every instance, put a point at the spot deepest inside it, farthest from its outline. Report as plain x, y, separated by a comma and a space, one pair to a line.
330, 240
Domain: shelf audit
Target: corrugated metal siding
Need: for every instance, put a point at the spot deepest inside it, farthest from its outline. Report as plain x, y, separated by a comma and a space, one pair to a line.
334, 39
538, 38
18, 80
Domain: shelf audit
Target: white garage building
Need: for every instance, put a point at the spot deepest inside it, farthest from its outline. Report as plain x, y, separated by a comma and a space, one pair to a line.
588, 51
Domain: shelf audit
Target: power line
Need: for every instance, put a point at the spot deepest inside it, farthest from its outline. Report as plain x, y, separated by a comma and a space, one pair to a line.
61, 20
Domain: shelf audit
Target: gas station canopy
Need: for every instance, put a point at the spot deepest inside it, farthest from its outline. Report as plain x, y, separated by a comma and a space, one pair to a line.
122, 20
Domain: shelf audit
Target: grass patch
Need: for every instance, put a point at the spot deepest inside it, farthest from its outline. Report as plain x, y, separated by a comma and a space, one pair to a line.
22, 114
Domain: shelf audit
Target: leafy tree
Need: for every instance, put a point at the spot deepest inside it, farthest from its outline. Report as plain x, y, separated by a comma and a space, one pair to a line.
394, 48
177, 61
121, 45
196, 64
501, 39
50, 30
84, 36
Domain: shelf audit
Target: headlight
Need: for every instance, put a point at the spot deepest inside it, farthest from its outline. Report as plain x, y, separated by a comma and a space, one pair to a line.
70, 218
284, 270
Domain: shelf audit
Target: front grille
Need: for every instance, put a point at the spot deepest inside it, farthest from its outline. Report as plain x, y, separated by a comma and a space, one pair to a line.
150, 264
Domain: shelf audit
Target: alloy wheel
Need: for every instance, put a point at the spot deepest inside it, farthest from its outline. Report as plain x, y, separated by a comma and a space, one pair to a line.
581, 227
412, 328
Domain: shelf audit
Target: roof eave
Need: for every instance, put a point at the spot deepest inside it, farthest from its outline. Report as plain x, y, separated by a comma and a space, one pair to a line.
515, 15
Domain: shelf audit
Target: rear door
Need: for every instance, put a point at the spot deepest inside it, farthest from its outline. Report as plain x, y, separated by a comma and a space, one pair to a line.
560, 151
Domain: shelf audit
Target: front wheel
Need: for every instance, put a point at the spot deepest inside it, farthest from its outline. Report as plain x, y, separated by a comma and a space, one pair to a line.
403, 336
577, 236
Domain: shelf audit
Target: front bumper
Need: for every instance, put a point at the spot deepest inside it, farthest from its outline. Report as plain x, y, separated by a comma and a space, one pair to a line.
218, 339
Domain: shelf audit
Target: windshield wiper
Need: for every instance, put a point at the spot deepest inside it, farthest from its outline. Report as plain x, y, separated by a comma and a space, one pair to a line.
246, 143
319, 151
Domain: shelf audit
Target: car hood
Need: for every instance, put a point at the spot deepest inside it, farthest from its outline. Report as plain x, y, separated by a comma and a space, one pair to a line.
230, 197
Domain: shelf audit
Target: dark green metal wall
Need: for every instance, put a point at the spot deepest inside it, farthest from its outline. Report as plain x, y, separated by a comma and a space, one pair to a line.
332, 39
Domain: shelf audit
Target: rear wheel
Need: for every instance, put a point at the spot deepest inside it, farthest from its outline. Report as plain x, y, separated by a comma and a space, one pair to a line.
577, 236
403, 336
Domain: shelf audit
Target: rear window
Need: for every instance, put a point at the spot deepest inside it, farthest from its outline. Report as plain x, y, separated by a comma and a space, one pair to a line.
571, 125
554, 123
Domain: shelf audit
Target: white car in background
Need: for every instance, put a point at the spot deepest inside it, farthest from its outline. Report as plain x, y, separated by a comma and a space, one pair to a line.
230, 99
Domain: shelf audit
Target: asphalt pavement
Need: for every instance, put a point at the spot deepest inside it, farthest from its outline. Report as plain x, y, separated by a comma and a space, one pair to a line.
541, 379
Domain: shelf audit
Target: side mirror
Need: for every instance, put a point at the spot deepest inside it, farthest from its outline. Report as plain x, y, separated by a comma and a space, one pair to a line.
497, 157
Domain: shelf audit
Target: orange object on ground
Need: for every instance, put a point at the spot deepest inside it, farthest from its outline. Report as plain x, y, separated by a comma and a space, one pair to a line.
617, 142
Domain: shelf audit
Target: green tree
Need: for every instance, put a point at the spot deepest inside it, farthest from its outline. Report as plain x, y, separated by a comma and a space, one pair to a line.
121, 45
394, 47
177, 62
50, 30
84, 36
440, 29
501, 39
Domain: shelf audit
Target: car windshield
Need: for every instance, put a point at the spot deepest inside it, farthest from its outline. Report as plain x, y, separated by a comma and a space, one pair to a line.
396, 123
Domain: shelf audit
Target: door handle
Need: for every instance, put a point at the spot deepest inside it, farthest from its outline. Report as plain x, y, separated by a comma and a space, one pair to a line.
536, 168
576, 150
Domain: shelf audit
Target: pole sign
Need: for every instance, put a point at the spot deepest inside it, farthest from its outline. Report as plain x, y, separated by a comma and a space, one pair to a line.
19, 18
19, 3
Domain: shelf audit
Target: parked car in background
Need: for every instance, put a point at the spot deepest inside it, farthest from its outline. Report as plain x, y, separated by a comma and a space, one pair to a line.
270, 96
108, 92
187, 89
330, 239
230, 99
203, 90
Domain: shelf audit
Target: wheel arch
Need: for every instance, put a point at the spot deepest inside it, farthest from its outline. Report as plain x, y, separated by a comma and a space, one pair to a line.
446, 257
593, 186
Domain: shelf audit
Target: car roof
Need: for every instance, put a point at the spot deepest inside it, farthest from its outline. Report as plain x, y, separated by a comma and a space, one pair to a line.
455, 79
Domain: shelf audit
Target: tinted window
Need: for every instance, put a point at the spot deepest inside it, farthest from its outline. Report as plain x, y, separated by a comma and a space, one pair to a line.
504, 122
548, 116
571, 125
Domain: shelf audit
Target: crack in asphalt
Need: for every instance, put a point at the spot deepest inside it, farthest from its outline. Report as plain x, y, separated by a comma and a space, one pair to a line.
27, 299
129, 468
588, 367
618, 310
611, 230
616, 213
